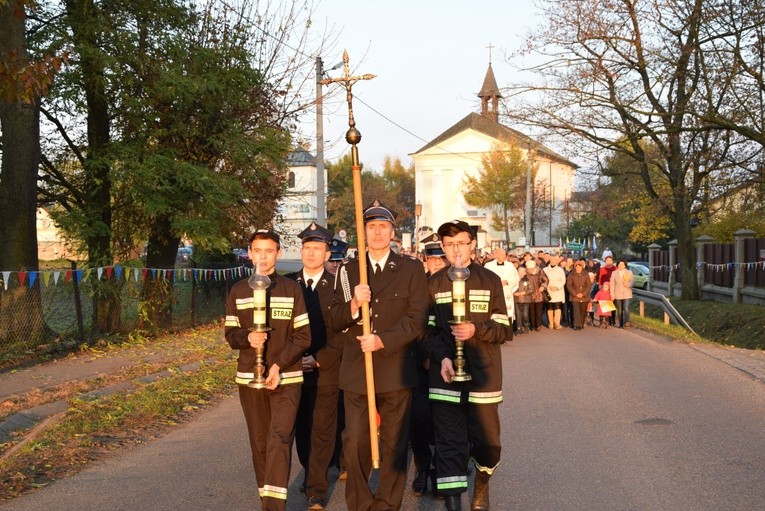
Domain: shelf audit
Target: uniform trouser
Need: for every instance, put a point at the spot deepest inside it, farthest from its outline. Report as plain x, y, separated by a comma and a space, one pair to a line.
580, 311
323, 437
421, 428
464, 431
393, 408
270, 417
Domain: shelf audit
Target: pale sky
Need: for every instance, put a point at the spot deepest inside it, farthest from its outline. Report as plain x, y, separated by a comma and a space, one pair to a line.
430, 58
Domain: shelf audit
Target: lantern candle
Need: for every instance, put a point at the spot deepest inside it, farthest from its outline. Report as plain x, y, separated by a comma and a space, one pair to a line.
259, 307
458, 299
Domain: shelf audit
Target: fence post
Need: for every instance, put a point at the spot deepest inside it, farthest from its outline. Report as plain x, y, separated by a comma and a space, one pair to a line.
738, 268
701, 242
672, 271
653, 249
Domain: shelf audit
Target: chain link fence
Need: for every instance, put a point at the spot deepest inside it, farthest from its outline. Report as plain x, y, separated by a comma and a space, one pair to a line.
57, 314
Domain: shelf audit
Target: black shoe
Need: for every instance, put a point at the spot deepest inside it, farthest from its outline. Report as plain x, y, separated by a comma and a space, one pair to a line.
315, 504
420, 483
453, 502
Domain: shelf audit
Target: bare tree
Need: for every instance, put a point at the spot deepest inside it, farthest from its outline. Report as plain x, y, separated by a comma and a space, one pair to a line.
617, 74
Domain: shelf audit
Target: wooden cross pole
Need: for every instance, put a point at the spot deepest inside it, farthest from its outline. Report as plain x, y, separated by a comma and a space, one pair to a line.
353, 137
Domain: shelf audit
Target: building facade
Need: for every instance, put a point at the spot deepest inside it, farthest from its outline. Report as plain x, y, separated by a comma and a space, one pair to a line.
298, 207
442, 165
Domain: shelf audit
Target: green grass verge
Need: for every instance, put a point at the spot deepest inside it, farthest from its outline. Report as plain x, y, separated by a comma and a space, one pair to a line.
741, 325
90, 430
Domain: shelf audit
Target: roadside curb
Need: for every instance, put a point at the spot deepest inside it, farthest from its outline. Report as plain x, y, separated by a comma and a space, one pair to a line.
751, 362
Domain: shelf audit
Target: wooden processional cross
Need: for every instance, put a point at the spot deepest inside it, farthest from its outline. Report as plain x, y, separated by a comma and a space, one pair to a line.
353, 137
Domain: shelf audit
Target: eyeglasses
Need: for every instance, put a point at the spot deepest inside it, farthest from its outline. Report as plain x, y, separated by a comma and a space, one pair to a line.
460, 244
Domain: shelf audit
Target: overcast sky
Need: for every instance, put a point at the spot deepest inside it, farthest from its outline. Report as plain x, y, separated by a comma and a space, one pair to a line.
430, 58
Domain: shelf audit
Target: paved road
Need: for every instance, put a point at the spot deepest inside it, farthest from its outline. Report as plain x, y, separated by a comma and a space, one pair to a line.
593, 420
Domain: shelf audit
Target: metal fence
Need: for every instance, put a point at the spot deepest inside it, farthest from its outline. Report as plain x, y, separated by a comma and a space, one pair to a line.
41, 312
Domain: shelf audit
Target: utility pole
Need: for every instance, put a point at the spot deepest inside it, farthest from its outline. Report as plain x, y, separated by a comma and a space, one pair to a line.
321, 201
529, 158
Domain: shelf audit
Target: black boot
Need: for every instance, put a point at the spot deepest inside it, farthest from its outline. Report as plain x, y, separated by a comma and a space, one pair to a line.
420, 483
453, 502
481, 492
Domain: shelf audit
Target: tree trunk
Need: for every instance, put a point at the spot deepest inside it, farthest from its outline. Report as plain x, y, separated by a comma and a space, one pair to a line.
84, 21
20, 308
686, 254
157, 294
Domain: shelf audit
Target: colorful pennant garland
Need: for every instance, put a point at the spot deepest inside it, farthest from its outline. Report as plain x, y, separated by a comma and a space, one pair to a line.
29, 278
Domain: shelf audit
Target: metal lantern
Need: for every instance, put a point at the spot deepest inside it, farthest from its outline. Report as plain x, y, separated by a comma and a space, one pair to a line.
458, 274
259, 284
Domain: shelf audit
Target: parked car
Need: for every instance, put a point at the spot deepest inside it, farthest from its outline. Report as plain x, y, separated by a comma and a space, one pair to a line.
241, 255
184, 254
641, 275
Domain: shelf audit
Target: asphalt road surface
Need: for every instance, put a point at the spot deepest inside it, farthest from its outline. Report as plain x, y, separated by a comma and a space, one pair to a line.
592, 420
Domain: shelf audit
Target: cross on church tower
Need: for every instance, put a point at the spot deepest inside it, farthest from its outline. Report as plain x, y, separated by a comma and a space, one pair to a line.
490, 47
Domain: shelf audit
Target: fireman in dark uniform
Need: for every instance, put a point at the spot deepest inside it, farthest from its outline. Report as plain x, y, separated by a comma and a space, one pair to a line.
421, 421
316, 425
465, 414
336, 256
398, 295
270, 412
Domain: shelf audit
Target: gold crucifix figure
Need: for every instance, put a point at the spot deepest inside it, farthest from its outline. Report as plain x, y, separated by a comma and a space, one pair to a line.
347, 80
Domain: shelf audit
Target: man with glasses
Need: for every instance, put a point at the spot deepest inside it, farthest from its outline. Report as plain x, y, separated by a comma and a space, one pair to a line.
466, 413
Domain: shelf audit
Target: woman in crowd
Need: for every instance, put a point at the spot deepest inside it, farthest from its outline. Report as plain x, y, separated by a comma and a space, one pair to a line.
578, 285
556, 277
621, 281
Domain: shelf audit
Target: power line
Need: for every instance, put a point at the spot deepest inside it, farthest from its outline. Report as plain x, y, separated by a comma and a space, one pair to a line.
411, 133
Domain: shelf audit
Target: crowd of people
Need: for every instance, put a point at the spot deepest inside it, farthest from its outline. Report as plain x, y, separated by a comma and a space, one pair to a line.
327, 319
554, 291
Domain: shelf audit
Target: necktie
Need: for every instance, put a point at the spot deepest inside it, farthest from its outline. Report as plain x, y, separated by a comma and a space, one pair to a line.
378, 271
309, 284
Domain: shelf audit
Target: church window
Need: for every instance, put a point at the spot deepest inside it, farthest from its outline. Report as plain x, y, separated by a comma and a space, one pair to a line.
291, 179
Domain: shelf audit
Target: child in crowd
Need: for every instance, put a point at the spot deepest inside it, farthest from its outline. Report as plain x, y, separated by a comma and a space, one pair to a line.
593, 291
522, 298
605, 304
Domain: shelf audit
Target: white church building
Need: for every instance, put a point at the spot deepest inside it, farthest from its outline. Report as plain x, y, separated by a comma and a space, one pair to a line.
443, 163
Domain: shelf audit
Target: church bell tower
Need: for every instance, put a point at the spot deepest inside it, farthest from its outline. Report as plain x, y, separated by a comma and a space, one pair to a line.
490, 96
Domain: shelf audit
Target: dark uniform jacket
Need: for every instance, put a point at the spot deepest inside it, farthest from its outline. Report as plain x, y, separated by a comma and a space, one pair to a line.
322, 348
485, 307
286, 314
398, 314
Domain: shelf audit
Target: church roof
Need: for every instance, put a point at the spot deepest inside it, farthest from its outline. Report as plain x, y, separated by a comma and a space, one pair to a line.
300, 158
489, 87
489, 127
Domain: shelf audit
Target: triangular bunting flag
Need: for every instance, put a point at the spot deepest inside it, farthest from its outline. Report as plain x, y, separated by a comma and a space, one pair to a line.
144, 271
56, 275
154, 273
46, 278
109, 273
87, 274
22, 277
100, 272
6, 277
78, 276
118, 272
32, 278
